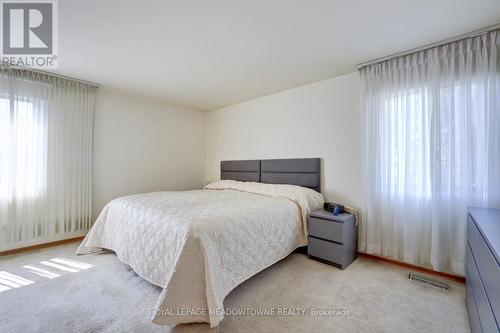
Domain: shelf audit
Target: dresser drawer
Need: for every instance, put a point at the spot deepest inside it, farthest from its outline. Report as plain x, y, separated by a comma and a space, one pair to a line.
470, 302
326, 229
486, 265
486, 317
325, 250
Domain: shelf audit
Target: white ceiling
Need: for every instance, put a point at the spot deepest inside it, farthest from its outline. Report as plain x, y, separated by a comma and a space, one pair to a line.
209, 54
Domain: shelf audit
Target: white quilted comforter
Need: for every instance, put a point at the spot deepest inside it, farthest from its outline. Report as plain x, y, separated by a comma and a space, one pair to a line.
199, 245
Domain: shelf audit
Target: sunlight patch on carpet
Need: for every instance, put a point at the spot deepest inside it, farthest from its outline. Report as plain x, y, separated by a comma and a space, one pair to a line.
58, 266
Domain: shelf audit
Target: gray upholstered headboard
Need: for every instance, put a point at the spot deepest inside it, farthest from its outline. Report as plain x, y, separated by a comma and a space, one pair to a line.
295, 171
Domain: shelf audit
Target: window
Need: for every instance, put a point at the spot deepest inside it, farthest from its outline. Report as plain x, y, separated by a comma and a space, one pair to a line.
45, 157
431, 149
23, 151
408, 123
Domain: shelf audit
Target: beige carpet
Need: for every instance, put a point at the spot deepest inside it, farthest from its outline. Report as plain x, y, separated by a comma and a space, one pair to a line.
53, 290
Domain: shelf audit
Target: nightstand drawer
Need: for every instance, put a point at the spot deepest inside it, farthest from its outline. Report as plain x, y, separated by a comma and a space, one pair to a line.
330, 230
325, 250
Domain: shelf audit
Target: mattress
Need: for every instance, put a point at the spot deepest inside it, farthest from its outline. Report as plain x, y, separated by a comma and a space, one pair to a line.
199, 245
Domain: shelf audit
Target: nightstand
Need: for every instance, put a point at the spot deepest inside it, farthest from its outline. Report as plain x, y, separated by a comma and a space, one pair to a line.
333, 238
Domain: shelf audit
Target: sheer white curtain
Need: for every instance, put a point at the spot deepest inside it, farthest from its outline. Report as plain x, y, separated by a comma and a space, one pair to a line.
46, 128
432, 148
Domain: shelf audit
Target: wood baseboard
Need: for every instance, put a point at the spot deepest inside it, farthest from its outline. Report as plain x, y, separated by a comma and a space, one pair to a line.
40, 246
449, 276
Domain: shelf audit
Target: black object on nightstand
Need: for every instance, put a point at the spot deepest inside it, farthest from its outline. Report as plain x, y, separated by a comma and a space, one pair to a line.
333, 238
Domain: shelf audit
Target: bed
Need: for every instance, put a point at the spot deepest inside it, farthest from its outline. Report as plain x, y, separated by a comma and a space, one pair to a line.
199, 245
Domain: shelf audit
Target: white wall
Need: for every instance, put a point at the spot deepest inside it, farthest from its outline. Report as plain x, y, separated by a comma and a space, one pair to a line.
143, 145
318, 120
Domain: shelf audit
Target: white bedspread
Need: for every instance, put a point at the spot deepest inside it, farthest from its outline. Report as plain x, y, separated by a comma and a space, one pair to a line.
199, 245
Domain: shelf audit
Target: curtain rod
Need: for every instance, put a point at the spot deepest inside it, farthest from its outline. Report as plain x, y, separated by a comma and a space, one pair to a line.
90, 83
435, 44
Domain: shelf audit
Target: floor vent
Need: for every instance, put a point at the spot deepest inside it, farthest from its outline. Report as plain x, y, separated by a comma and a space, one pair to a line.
428, 282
